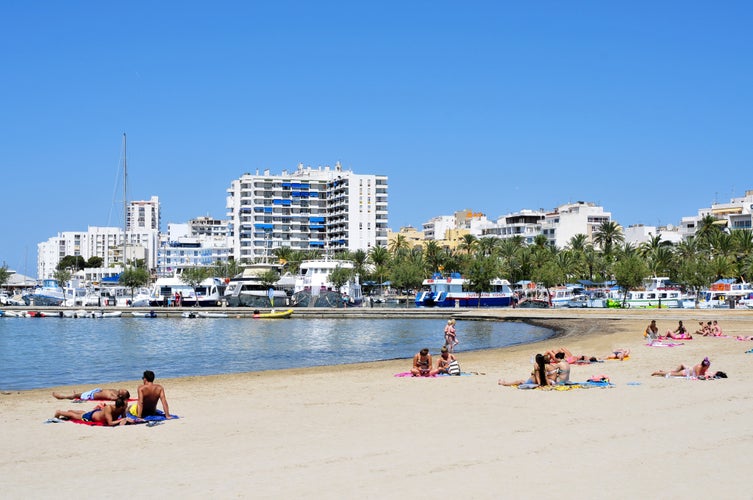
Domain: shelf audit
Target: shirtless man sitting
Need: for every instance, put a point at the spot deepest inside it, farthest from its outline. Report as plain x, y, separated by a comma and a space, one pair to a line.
110, 415
149, 395
96, 395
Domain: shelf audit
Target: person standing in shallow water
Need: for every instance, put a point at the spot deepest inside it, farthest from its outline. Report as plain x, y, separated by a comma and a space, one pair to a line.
450, 336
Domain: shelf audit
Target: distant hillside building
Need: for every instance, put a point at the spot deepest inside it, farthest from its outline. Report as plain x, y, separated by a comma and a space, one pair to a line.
322, 208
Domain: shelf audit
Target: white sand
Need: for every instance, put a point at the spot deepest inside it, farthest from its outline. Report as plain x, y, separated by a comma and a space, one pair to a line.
358, 431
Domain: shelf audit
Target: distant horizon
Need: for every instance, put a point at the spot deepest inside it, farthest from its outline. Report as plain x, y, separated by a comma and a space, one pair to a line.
642, 108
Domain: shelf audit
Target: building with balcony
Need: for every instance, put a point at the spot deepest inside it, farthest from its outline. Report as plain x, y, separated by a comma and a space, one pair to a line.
322, 208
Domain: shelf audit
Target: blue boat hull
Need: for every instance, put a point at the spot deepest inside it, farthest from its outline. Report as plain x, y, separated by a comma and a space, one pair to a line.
464, 301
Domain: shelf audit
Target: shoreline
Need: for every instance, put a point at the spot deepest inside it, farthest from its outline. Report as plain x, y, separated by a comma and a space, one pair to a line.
329, 431
566, 324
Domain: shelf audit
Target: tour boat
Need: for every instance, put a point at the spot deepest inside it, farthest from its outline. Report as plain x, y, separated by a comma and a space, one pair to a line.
452, 291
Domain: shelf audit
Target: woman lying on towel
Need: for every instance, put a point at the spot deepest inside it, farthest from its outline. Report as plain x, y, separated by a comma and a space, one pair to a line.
107, 414
538, 375
570, 357
698, 371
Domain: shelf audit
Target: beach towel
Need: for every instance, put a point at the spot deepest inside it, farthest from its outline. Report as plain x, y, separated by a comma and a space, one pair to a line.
658, 343
150, 421
410, 375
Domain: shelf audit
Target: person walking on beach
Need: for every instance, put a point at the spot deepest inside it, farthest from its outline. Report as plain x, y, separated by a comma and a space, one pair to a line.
96, 395
149, 395
110, 415
422, 364
450, 337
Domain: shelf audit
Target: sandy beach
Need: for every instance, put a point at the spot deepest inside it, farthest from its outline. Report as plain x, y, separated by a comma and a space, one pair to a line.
359, 431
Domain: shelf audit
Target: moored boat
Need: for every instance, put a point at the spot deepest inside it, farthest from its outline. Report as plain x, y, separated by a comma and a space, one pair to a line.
452, 291
314, 287
273, 314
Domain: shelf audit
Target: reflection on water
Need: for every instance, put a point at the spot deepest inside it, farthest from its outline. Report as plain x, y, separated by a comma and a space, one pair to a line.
48, 352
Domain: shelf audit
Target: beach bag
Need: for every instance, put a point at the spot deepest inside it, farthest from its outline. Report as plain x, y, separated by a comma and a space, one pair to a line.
453, 368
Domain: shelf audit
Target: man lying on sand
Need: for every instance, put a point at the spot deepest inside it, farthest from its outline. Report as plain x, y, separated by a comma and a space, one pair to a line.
96, 395
108, 414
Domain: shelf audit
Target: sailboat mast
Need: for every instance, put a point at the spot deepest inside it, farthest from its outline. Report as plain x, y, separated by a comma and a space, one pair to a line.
125, 201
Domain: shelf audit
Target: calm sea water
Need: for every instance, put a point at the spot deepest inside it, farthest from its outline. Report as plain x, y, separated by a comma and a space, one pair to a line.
36, 353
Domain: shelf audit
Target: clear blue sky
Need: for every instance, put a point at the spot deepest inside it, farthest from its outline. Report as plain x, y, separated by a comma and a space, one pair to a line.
644, 107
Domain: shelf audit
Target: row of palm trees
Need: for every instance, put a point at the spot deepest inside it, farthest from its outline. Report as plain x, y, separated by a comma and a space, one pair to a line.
696, 262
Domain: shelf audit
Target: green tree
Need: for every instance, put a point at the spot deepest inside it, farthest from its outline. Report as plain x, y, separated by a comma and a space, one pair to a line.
134, 277
480, 275
548, 274
63, 276
695, 273
71, 262
94, 262
226, 269
408, 273
607, 235
629, 273
194, 275
340, 276
4, 275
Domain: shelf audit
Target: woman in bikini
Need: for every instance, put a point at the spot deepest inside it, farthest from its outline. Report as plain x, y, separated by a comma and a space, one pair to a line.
422, 364
538, 375
110, 415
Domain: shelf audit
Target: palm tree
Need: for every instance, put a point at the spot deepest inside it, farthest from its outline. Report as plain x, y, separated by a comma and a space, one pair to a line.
488, 245
706, 227
468, 243
608, 234
433, 256
399, 245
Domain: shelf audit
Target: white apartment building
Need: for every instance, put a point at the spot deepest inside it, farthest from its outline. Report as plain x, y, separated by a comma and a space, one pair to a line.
436, 228
142, 239
570, 219
198, 243
439, 227
525, 223
737, 214
637, 234
322, 208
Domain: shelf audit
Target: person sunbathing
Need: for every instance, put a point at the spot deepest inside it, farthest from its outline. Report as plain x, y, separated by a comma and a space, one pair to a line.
680, 333
538, 375
96, 395
620, 354
570, 357
698, 370
110, 415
